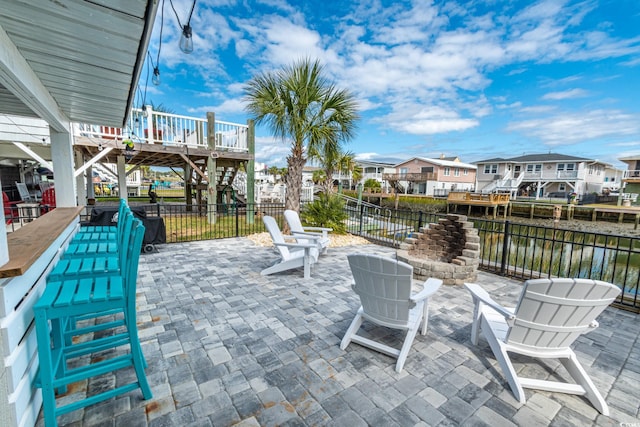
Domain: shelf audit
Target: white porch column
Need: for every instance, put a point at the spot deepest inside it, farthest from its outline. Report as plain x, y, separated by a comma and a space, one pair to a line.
62, 159
4, 250
81, 186
122, 178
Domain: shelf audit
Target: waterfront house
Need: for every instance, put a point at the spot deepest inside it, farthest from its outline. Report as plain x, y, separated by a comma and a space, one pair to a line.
432, 177
631, 177
542, 175
376, 170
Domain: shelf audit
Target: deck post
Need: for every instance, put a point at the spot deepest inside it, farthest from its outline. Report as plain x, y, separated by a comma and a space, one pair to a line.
122, 177
149, 119
62, 160
187, 186
82, 180
4, 248
251, 182
212, 194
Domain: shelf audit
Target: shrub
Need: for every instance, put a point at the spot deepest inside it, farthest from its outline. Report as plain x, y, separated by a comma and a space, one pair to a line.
414, 204
372, 183
326, 211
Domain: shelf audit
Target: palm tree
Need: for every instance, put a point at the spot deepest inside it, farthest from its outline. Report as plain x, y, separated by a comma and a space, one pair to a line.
318, 176
301, 106
273, 170
333, 162
347, 165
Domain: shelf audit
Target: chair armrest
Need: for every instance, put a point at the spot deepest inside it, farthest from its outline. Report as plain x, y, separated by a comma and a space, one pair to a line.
481, 296
322, 230
308, 234
296, 245
430, 287
305, 235
317, 228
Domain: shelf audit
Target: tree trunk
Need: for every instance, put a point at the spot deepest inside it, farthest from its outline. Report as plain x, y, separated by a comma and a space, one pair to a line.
293, 180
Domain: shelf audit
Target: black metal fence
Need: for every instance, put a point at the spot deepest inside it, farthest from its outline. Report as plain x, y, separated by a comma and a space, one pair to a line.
184, 223
511, 249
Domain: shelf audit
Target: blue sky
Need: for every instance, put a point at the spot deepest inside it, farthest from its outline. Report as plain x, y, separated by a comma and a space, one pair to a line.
474, 79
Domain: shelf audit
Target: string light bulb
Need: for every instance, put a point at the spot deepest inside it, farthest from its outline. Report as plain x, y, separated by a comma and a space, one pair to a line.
156, 76
186, 40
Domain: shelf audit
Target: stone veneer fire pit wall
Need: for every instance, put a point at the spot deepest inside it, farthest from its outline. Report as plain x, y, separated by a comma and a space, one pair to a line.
448, 250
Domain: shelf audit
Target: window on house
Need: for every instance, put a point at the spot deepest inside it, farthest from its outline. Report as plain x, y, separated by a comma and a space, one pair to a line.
561, 187
571, 166
456, 172
560, 167
465, 172
427, 169
403, 171
492, 169
447, 171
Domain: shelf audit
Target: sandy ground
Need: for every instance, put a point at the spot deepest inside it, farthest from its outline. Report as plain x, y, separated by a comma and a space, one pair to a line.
263, 239
603, 227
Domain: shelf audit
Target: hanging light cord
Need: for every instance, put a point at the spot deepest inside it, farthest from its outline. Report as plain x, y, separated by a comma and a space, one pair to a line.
176, 13
160, 41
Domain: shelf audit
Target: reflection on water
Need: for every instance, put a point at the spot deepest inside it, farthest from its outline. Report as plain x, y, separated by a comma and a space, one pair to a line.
533, 251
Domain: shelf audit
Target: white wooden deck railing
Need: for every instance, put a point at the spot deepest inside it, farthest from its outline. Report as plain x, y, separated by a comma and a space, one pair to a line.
155, 127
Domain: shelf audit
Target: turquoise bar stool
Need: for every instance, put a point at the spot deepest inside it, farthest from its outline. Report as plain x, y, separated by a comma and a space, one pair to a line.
76, 264
86, 296
105, 228
99, 243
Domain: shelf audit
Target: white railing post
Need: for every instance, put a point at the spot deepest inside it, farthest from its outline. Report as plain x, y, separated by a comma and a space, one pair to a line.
149, 119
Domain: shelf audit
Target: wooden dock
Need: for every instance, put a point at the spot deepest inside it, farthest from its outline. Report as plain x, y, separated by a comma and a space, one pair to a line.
489, 201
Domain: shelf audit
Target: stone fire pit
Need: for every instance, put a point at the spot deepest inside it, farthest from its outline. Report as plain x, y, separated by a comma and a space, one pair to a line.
448, 250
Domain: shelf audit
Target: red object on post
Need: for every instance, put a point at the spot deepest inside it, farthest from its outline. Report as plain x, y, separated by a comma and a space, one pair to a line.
48, 200
10, 209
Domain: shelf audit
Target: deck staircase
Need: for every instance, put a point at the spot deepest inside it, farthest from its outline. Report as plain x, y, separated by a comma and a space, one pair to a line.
505, 184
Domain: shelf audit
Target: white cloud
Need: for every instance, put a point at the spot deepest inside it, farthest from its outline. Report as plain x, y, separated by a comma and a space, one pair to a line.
272, 151
566, 94
536, 109
229, 106
366, 156
428, 121
573, 128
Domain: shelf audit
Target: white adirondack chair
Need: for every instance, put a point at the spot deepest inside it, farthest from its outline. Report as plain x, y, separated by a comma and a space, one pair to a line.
384, 287
550, 315
25, 196
293, 255
322, 233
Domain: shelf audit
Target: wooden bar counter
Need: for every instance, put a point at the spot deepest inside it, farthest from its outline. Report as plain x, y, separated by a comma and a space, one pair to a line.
29, 242
33, 251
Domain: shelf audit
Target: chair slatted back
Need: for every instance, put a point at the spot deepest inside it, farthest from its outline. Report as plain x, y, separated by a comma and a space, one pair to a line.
124, 235
293, 219
130, 271
276, 235
552, 313
384, 287
24, 192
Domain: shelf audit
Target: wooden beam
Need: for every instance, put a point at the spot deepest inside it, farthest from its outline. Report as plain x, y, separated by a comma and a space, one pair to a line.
20, 79
193, 165
92, 161
33, 154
